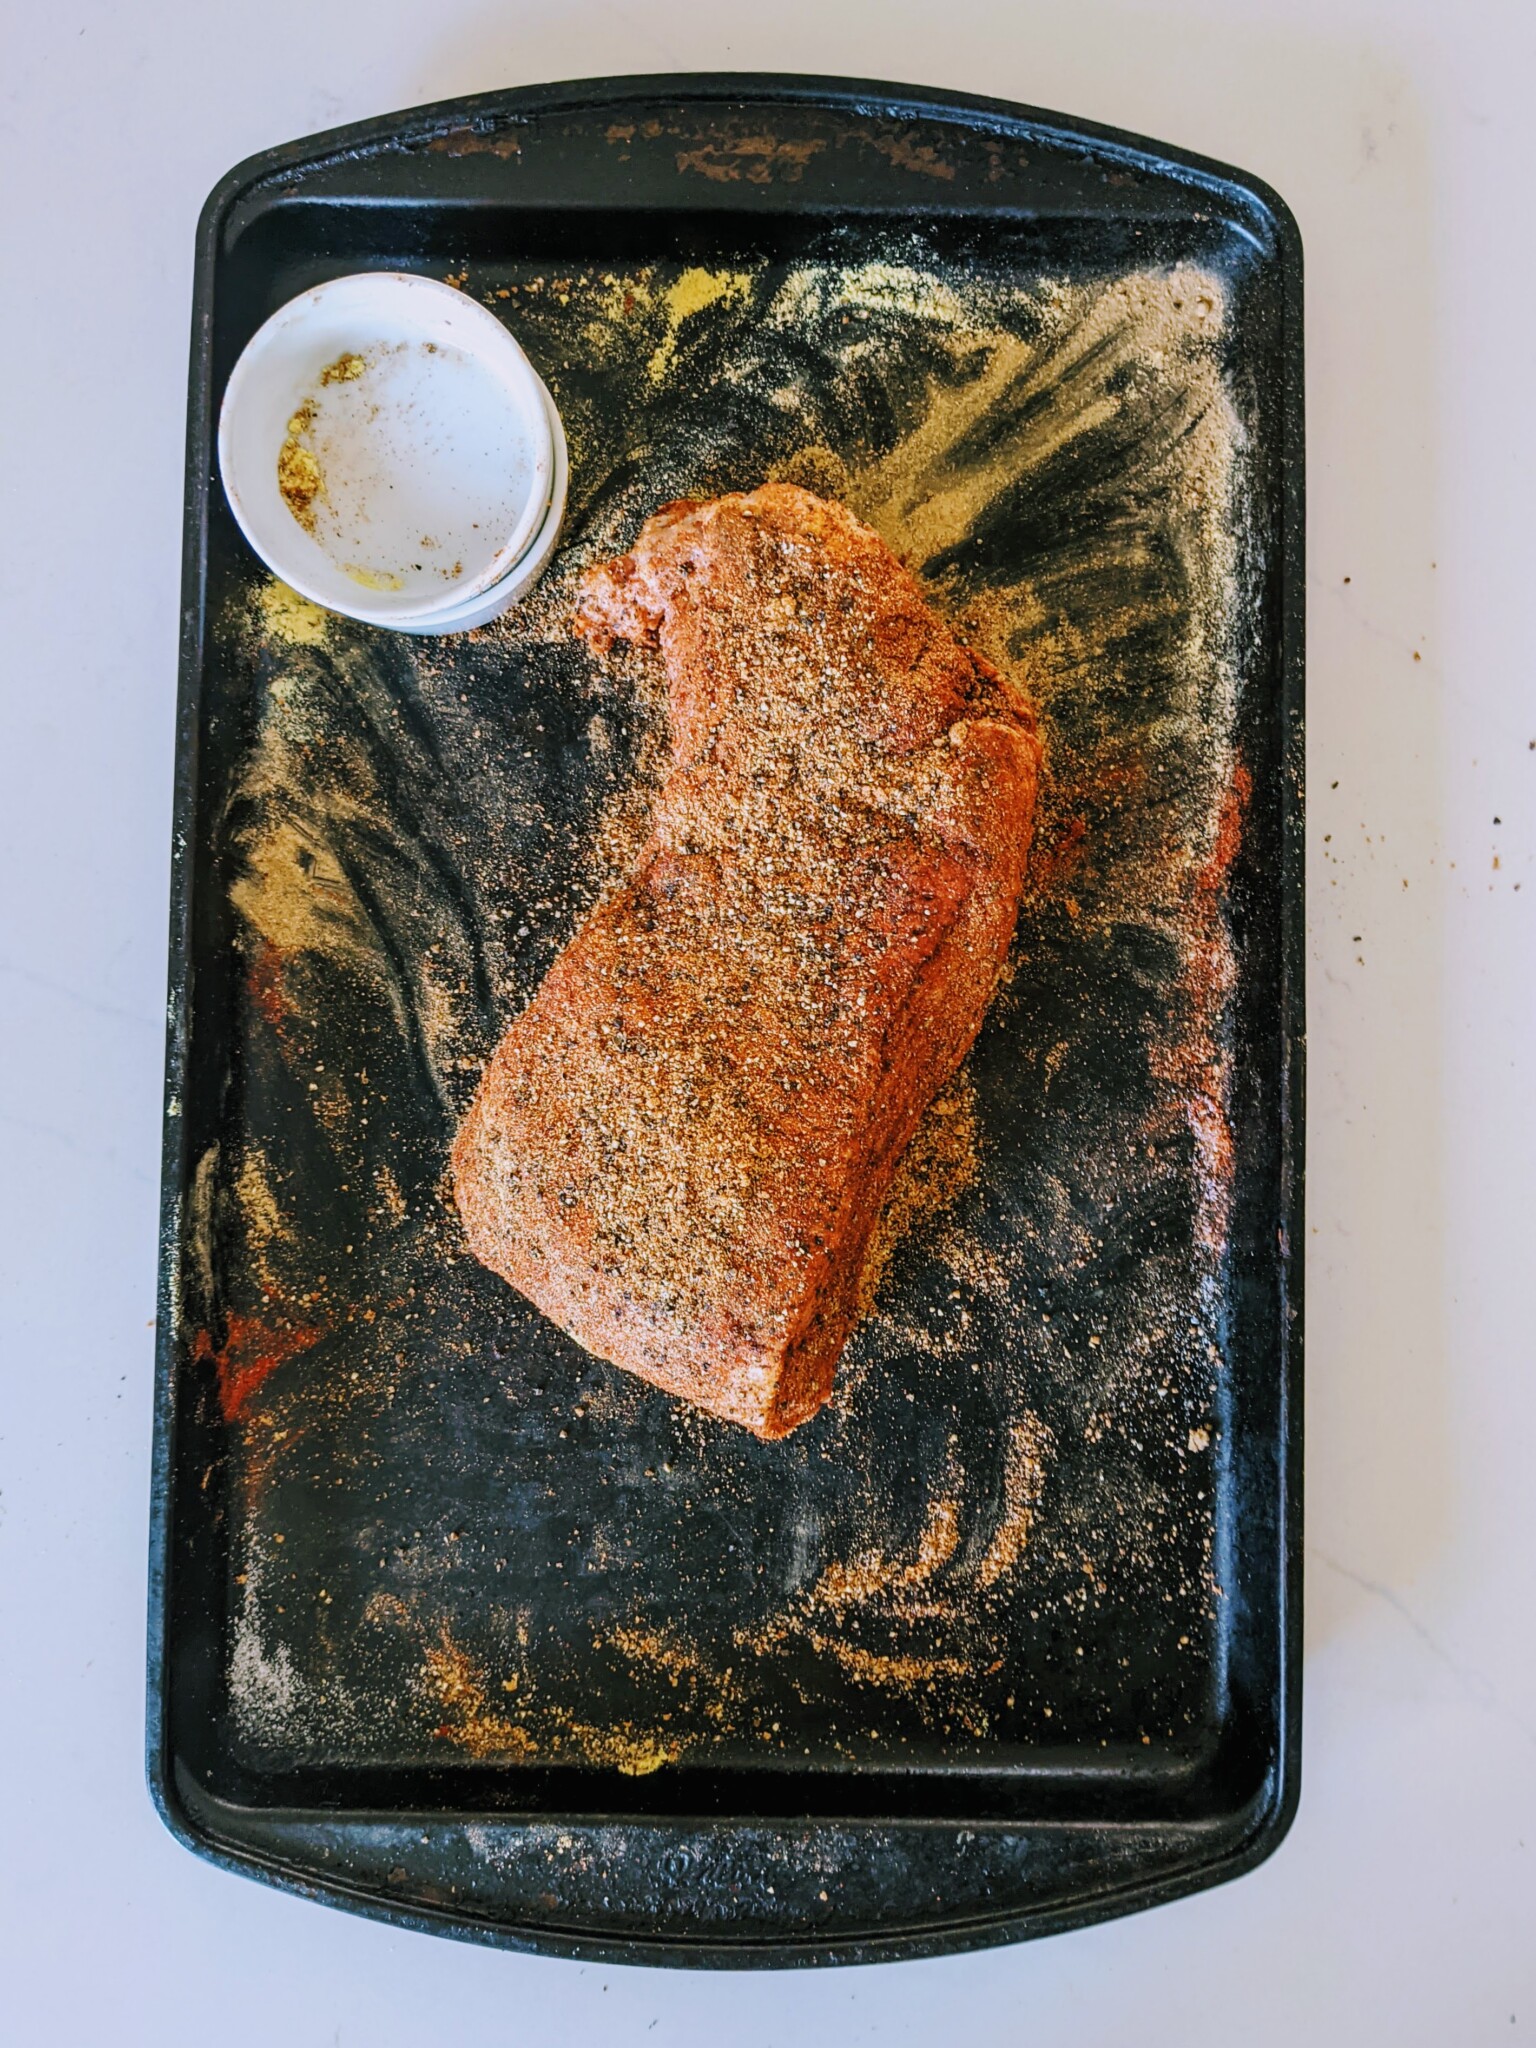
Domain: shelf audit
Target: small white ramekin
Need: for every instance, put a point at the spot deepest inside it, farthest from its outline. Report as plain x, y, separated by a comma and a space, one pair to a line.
422, 456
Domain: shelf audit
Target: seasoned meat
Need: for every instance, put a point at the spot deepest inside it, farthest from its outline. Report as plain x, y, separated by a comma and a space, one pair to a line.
680, 1148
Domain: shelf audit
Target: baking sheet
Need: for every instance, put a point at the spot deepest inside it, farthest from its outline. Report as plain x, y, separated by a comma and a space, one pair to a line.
436, 1555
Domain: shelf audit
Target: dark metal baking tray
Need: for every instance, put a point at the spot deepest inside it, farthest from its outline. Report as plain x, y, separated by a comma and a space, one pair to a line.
451, 1623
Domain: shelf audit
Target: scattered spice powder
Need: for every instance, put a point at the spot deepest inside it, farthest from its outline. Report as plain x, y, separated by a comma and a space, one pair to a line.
1106, 398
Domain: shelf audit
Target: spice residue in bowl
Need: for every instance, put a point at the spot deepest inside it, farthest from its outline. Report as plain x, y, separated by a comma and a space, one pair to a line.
299, 475
345, 370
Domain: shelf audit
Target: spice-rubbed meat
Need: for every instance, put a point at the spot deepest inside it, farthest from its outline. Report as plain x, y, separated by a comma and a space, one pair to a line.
681, 1147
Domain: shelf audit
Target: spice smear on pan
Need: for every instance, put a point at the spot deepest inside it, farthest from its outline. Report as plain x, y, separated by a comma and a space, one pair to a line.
999, 1529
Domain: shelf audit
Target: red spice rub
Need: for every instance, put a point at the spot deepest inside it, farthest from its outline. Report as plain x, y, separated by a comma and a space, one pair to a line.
681, 1147
252, 1350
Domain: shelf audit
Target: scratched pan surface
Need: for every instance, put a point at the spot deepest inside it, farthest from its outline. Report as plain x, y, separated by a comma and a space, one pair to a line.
454, 1623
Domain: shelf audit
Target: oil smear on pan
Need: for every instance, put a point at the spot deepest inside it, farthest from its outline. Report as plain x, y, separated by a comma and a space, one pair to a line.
480, 1538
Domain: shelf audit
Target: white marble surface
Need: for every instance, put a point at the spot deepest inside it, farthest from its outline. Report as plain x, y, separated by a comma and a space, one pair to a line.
1403, 1908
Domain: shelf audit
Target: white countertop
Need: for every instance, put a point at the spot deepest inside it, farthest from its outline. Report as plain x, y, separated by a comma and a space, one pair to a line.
1402, 1909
